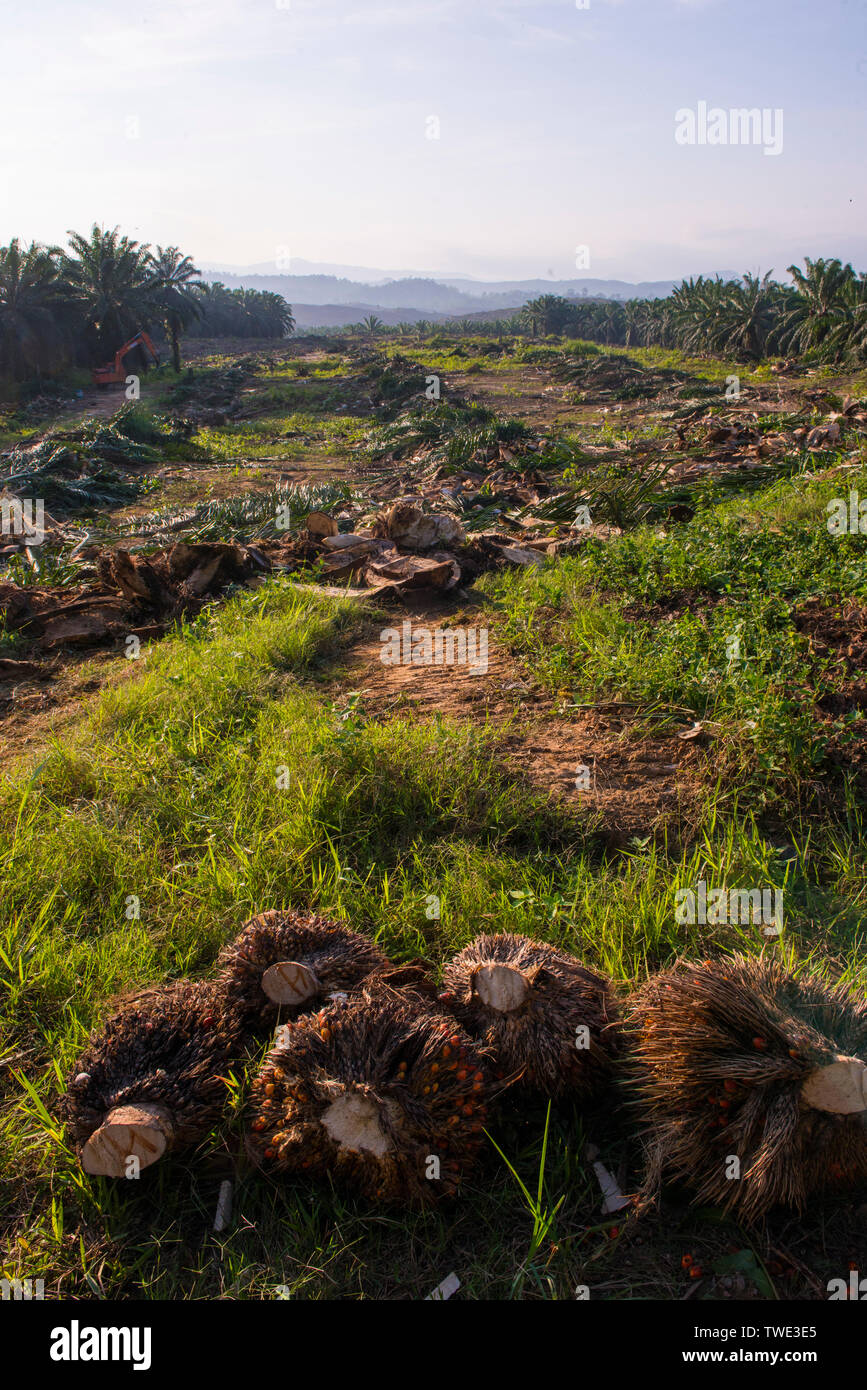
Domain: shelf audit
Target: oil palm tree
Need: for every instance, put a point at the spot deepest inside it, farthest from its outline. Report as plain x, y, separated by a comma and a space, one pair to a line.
632, 319
653, 323
613, 323
34, 308
696, 308
549, 312
818, 316
110, 279
748, 316
275, 315
174, 304
242, 313
856, 295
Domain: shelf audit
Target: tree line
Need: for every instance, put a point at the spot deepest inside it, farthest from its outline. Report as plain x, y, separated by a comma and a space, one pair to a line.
81, 303
822, 315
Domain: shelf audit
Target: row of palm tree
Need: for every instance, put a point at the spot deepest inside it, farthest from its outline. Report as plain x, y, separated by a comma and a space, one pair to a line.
242, 313
81, 303
822, 314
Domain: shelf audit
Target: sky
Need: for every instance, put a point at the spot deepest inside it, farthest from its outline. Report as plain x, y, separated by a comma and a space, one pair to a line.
493, 138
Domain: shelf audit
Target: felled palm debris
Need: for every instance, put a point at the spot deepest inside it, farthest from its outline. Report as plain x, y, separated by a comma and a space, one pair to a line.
64, 479
293, 960
459, 491
154, 1079
389, 540
547, 1022
753, 1083
142, 594
602, 376
383, 1094
78, 470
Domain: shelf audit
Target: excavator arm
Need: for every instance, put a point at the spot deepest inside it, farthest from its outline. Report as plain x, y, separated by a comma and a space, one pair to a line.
114, 372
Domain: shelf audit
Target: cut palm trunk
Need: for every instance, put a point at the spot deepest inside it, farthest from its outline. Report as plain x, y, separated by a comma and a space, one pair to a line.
549, 1023
153, 1080
753, 1081
383, 1094
291, 961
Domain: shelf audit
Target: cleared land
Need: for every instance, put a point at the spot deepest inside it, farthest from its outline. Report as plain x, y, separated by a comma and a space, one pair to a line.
156, 777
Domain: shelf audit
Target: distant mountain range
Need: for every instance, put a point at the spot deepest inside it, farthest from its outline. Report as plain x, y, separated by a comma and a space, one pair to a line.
368, 275
410, 297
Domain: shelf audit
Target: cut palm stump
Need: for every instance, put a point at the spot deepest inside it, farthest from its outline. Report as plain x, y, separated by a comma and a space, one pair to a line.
383, 1094
293, 960
153, 1079
753, 1081
549, 1024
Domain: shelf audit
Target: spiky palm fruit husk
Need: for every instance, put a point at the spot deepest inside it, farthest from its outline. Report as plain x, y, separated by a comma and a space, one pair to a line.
547, 1022
740, 1059
292, 960
152, 1080
384, 1094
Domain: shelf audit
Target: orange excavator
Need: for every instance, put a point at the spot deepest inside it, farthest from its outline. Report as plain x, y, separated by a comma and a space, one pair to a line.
115, 373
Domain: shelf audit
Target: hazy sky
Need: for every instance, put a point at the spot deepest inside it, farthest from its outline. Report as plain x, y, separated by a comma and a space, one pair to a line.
247, 130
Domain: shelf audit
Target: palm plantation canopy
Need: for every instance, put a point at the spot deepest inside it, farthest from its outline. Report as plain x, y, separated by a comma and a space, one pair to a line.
80, 305
823, 314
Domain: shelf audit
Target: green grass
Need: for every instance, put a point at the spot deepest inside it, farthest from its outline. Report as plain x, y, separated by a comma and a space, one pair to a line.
14, 430
439, 360
281, 436
295, 368
673, 359
727, 649
171, 796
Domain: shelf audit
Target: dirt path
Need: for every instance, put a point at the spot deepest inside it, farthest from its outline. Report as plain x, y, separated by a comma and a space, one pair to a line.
101, 402
33, 712
594, 760
539, 399
588, 759
591, 760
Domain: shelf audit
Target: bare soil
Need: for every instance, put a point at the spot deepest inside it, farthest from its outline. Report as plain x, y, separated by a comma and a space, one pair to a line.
637, 785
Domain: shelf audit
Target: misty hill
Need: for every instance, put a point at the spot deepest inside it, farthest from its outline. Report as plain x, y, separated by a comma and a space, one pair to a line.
468, 284
339, 315
426, 296
429, 297
569, 289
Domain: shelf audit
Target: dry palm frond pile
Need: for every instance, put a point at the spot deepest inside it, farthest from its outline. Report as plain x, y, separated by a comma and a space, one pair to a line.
382, 1094
754, 1082
153, 1079
293, 960
547, 1022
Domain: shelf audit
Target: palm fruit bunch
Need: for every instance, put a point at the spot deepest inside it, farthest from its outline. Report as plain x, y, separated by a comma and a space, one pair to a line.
740, 1059
547, 1022
292, 959
383, 1093
153, 1078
